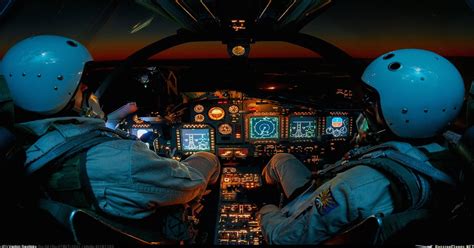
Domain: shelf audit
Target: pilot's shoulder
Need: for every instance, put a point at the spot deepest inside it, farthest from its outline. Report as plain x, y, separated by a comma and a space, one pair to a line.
360, 176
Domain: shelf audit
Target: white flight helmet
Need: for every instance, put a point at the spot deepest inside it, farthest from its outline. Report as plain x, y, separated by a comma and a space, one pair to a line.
43, 72
420, 92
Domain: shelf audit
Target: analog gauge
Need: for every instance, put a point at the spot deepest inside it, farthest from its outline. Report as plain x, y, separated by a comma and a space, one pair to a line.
198, 108
199, 118
225, 129
233, 109
216, 113
238, 50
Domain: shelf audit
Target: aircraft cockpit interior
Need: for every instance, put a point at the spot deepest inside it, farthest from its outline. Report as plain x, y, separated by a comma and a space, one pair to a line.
245, 133
244, 130
248, 82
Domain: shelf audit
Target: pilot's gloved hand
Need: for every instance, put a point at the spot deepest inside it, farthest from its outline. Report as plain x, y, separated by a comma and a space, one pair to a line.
116, 116
149, 138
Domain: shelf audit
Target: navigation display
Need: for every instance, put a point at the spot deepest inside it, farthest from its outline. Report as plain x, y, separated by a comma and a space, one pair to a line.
303, 127
337, 126
264, 127
195, 139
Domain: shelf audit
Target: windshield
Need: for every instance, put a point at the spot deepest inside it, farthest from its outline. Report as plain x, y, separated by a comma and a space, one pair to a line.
114, 29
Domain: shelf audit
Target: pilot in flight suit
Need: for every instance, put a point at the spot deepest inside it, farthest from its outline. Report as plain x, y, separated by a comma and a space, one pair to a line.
397, 114
127, 179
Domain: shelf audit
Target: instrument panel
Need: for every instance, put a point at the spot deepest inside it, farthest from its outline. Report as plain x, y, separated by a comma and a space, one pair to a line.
228, 118
239, 129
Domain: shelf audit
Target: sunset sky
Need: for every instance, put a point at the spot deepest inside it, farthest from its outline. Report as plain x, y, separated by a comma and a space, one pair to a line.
363, 28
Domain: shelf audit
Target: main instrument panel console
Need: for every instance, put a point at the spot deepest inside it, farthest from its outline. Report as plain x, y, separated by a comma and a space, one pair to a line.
236, 129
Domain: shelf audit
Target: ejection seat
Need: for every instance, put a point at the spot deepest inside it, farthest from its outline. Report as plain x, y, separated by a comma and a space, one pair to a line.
363, 233
377, 229
88, 227
61, 221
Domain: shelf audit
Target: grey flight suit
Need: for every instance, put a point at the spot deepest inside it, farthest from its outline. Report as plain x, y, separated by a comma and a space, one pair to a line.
128, 179
319, 213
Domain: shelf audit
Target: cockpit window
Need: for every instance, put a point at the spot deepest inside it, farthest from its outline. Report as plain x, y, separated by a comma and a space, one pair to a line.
114, 29
215, 49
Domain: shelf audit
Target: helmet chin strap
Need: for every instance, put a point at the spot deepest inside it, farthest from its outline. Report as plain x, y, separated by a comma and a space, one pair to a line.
90, 106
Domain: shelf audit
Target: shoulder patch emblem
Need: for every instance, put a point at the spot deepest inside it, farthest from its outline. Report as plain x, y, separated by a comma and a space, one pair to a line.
325, 202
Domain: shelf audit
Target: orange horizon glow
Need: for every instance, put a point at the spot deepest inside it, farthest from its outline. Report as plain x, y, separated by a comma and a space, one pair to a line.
118, 50
200, 50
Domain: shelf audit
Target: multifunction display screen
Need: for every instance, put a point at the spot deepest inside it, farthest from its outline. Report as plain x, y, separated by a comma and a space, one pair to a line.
337, 126
264, 127
195, 140
303, 127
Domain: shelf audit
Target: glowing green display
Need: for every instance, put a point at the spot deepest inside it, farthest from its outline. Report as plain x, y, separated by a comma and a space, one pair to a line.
263, 127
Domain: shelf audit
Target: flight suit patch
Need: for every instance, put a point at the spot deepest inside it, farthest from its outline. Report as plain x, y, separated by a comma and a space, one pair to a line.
325, 202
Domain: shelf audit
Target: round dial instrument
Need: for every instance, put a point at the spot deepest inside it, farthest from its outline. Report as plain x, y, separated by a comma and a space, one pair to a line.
198, 108
225, 129
233, 109
216, 113
199, 118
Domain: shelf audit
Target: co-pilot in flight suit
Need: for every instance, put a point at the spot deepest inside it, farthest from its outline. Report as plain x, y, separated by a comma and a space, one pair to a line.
127, 179
324, 210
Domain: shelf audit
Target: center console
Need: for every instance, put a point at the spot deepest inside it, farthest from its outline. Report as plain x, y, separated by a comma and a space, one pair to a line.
237, 219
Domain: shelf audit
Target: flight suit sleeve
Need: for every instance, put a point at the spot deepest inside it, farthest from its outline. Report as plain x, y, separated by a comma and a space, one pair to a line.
181, 181
349, 197
131, 181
